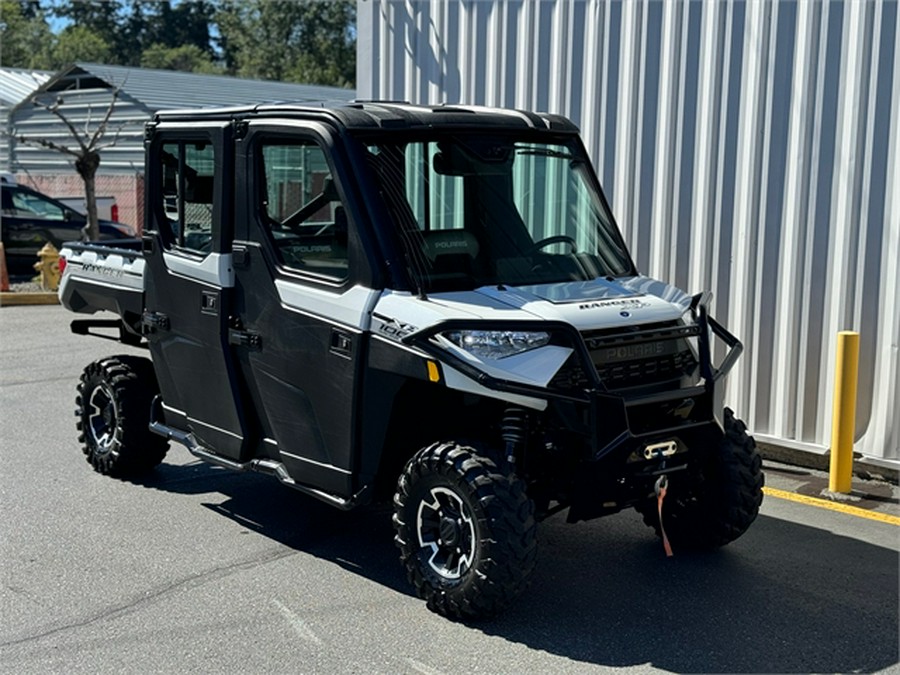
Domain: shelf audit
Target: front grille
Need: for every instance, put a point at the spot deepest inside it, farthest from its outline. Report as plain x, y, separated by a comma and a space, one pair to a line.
647, 371
642, 355
653, 355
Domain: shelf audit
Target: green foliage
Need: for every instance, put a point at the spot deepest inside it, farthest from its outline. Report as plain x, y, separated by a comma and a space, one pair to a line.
79, 43
289, 40
24, 36
309, 41
187, 58
98, 16
158, 22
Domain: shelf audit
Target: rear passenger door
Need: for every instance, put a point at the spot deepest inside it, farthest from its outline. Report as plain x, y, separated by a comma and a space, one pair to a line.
189, 283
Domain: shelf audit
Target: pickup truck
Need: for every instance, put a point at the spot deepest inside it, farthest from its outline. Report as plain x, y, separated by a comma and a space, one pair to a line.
107, 207
431, 305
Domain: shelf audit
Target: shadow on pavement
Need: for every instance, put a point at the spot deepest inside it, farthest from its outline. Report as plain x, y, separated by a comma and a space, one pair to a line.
786, 598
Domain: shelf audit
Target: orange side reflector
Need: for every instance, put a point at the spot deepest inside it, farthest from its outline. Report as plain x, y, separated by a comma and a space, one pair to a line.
434, 374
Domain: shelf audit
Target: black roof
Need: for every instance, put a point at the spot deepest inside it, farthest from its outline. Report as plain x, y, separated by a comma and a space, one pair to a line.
363, 115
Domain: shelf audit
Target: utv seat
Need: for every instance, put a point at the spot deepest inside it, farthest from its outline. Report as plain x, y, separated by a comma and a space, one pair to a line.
453, 257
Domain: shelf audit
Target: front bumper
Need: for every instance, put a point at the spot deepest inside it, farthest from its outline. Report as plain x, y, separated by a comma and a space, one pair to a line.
620, 418
633, 441
589, 382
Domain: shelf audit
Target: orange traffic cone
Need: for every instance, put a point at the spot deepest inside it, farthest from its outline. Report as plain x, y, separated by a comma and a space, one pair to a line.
4, 275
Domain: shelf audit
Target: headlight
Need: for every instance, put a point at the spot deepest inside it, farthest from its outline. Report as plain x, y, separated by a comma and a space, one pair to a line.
497, 344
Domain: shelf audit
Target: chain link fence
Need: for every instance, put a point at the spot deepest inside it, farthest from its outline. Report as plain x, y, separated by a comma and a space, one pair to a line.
125, 190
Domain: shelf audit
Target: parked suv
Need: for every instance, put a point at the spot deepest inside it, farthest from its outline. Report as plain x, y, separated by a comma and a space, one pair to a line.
29, 220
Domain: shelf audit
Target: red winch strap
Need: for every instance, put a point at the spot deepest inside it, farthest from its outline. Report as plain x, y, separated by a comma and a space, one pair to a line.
661, 485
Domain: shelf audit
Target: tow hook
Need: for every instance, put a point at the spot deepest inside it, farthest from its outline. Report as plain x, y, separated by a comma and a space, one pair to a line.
660, 450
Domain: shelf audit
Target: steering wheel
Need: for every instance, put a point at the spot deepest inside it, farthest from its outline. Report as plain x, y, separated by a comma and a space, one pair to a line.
555, 239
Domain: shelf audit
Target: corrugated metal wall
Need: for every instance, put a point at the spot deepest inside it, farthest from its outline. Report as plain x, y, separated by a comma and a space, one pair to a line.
4, 137
85, 90
85, 109
748, 147
15, 85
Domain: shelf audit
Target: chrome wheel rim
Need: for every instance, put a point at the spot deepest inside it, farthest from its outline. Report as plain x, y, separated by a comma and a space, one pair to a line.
102, 419
446, 531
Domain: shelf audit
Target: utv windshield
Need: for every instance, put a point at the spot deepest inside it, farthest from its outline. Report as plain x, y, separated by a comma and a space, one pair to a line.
476, 209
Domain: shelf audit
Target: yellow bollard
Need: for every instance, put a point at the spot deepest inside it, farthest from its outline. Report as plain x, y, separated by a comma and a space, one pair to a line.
48, 267
843, 420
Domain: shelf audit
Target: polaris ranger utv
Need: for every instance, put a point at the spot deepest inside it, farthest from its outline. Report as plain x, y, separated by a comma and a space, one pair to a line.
432, 304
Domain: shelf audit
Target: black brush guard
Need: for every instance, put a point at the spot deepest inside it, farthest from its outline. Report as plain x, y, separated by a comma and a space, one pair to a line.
622, 424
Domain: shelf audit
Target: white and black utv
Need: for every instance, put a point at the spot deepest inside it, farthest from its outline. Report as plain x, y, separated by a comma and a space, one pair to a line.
432, 304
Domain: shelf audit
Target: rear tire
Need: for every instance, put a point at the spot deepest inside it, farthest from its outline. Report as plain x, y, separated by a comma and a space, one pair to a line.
720, 507
465, 530
113, 415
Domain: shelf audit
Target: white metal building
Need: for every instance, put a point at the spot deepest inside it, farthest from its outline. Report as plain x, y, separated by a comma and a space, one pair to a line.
85, 92
752, 148
16, 85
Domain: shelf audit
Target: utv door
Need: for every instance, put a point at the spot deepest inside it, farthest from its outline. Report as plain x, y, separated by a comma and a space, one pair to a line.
303, 298
189, 284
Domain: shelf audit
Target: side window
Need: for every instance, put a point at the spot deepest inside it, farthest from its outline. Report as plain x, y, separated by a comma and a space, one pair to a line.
185, 208
301, 209
26, 204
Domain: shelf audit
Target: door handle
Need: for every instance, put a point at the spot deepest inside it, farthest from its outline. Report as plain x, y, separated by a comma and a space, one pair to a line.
209, 302
341, 343
240, 256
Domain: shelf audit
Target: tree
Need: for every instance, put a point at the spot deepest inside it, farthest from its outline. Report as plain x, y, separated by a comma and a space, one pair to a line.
300, 40
25, 36
159, 23
328, 50
79, 43
26, 40
134, 30
85, 150
98, 17
189, 25
187, 58
309, 41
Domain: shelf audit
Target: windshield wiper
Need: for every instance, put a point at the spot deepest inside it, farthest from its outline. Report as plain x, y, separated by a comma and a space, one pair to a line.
546, 152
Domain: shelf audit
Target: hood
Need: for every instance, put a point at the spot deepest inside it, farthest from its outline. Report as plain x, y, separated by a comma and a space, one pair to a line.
587, 305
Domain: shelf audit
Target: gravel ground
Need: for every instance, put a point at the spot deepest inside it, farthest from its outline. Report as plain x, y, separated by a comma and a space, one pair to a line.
25, 287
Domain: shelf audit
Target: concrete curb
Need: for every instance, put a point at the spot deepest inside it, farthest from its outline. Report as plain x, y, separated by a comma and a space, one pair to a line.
863, 467
19, 299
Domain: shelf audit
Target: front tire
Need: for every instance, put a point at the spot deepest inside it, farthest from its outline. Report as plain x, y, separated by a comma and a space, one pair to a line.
465, 530
722, 504
113, 414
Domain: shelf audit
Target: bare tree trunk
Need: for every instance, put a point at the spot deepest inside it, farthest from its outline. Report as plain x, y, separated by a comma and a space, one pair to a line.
86, 154
87, 169
91, 230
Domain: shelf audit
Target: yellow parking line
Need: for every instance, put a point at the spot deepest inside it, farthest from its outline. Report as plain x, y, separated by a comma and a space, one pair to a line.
833, 506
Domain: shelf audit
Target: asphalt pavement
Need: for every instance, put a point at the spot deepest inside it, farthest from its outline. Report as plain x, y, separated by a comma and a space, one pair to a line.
196, 569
